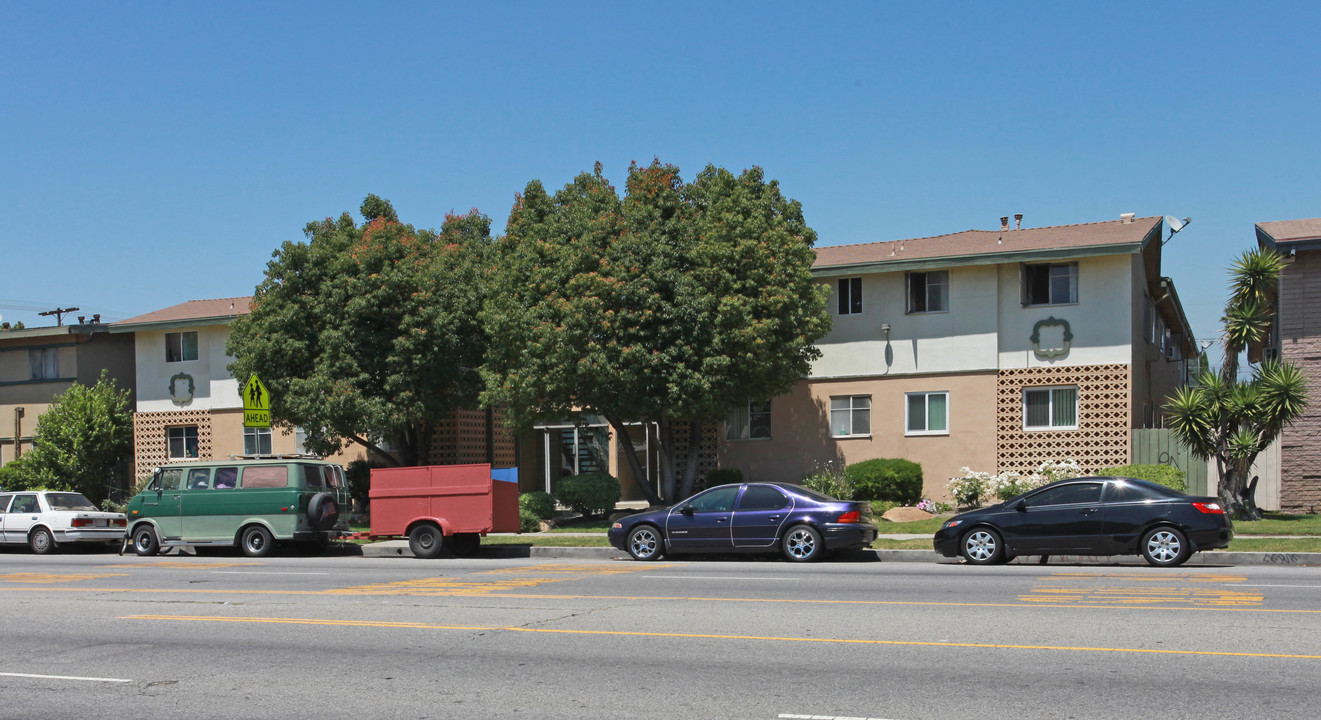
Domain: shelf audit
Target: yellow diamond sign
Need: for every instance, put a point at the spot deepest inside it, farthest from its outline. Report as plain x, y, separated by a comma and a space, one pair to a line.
256, 404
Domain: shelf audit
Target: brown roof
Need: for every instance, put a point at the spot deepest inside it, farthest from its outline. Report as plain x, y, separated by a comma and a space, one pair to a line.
1287, 231
992, 242
191, 311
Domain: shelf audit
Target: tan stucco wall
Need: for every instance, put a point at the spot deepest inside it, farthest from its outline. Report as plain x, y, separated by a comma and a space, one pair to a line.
800, 424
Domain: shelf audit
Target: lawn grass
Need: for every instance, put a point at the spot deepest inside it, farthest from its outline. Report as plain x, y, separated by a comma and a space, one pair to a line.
1273, 523
1275, 545
928, 526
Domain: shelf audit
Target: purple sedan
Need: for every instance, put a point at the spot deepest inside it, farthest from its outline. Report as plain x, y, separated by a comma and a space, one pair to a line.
749, 517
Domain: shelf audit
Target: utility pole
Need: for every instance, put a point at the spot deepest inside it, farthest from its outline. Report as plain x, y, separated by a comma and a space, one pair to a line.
58, 313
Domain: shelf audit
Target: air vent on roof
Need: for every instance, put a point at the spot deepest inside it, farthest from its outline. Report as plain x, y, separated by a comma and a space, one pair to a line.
1126, 218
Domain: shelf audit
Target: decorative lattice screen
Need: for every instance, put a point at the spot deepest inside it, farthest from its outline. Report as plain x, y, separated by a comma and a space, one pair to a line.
150, 448
1102, 438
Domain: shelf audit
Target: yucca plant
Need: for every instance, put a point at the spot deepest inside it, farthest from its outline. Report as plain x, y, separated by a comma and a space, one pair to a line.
1233, 420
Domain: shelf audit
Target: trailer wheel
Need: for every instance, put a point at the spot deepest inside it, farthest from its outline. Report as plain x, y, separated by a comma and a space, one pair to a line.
425, 541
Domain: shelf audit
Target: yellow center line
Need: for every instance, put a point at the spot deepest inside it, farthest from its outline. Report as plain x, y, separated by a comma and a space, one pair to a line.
709, 636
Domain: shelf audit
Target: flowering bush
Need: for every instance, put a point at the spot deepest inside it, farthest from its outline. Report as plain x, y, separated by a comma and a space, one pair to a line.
933, 507
974, 487
829, 479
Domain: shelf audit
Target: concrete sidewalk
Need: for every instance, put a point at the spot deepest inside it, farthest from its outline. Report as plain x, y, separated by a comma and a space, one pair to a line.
1214, 558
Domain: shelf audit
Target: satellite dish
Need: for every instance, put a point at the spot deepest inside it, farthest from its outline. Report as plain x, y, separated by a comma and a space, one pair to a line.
1175, 223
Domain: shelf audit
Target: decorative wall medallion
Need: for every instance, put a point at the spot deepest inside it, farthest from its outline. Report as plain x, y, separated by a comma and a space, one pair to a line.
181, 389
1057, 343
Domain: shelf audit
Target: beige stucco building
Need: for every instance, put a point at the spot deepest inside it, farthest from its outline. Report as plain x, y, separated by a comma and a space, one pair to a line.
995, 350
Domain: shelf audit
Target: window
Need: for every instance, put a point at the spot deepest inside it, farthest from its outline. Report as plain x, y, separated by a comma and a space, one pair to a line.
199, 478
300, 441
226, 478
850, 296
182, 441
1050, 408
170, 479
180, 346
266, 476
312, 477
762, 497
718, 500
44, 363
850, 415
751, 422
1050, 284
927, 414
256, 441
928, 291
1067, 495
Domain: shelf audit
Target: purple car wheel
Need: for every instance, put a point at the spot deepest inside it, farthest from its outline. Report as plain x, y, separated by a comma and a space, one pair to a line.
644, 543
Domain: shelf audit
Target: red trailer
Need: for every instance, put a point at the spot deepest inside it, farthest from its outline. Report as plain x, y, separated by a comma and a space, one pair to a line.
443, 505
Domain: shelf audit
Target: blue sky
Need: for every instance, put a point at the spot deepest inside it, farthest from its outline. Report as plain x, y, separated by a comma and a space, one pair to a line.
159, 152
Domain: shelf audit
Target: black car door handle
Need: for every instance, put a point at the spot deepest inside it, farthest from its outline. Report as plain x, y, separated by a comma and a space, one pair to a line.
1087, 511
722, 519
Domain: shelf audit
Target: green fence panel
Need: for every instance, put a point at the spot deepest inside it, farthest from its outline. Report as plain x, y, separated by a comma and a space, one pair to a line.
1159, 447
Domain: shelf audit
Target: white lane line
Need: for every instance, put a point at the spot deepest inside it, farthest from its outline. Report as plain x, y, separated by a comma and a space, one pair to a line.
255, 572
64, 677
825, 717
708, 577
1292, 586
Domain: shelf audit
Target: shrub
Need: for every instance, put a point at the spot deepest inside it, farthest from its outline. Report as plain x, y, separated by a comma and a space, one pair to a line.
881, 507
1167, 475
893, 479
723, 476
971, 488
828, 479
591, 494
540, 504
528, 520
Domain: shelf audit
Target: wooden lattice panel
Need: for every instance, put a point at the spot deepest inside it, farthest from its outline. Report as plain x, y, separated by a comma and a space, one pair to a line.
1102, 438
706, 450
150, 445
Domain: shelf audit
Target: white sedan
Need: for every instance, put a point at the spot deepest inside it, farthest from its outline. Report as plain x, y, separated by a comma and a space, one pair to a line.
45, 519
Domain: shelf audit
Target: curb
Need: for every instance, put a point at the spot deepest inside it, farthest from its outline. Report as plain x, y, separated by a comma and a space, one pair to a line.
399, 548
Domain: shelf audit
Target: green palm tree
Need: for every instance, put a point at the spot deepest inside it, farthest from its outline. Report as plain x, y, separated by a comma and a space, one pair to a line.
1233, 420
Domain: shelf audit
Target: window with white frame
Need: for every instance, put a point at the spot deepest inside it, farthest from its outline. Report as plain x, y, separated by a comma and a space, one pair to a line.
180, 346
181, 441
256, 441
928, 291
1050, 408
300, 440
850, 296
1050, 284
850, 415
750, 422
926, 413
44, 363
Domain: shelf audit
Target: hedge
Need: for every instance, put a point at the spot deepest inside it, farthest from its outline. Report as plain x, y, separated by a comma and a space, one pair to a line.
1167, 475
592, 494
892, 479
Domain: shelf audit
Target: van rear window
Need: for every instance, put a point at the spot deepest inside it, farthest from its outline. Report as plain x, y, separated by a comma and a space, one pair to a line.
311, 476
266, 476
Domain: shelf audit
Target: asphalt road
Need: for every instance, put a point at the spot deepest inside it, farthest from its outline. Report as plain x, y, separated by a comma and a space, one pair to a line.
292, 637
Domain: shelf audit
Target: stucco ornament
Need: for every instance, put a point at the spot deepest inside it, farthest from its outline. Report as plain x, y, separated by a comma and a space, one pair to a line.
1050, 353
177, 393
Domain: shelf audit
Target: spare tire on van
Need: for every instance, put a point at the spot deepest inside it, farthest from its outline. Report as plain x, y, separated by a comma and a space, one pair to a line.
322, 513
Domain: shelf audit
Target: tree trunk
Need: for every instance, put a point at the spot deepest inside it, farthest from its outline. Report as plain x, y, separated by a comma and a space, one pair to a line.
690, 467
1238, 496
631, 455
666, 440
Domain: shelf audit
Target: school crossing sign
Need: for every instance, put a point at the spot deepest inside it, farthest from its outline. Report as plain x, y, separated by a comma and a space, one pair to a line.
256, 404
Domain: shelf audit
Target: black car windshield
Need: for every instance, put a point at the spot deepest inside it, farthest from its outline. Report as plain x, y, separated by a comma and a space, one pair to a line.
68, 501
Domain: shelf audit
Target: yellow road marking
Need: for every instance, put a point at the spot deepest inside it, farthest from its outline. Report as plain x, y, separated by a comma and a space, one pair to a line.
709, 636
54, 577
571, 569
1095, 590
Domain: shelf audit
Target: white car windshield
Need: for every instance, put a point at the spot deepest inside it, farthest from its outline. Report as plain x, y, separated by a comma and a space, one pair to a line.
68, 501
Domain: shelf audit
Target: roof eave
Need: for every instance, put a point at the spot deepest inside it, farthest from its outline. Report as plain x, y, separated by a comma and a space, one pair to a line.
165, 324
996, 258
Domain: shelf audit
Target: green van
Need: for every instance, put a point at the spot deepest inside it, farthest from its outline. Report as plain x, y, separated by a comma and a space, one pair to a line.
251, 502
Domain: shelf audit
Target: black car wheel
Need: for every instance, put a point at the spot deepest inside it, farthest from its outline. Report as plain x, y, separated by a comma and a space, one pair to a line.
41, 541
425, 541
982, 546
644, 543
145, 541
1165, 547
802, 544
257, 541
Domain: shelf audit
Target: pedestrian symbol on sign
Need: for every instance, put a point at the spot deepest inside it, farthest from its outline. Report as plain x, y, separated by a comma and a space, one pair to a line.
256, 404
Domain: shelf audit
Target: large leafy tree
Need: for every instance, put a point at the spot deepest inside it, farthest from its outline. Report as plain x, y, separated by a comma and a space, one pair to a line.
81, 443
369, 333
1234, 420
673, 305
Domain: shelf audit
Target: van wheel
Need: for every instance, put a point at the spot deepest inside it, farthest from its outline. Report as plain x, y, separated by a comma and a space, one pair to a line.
145, 541
425, 541
322, 513
257, 541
